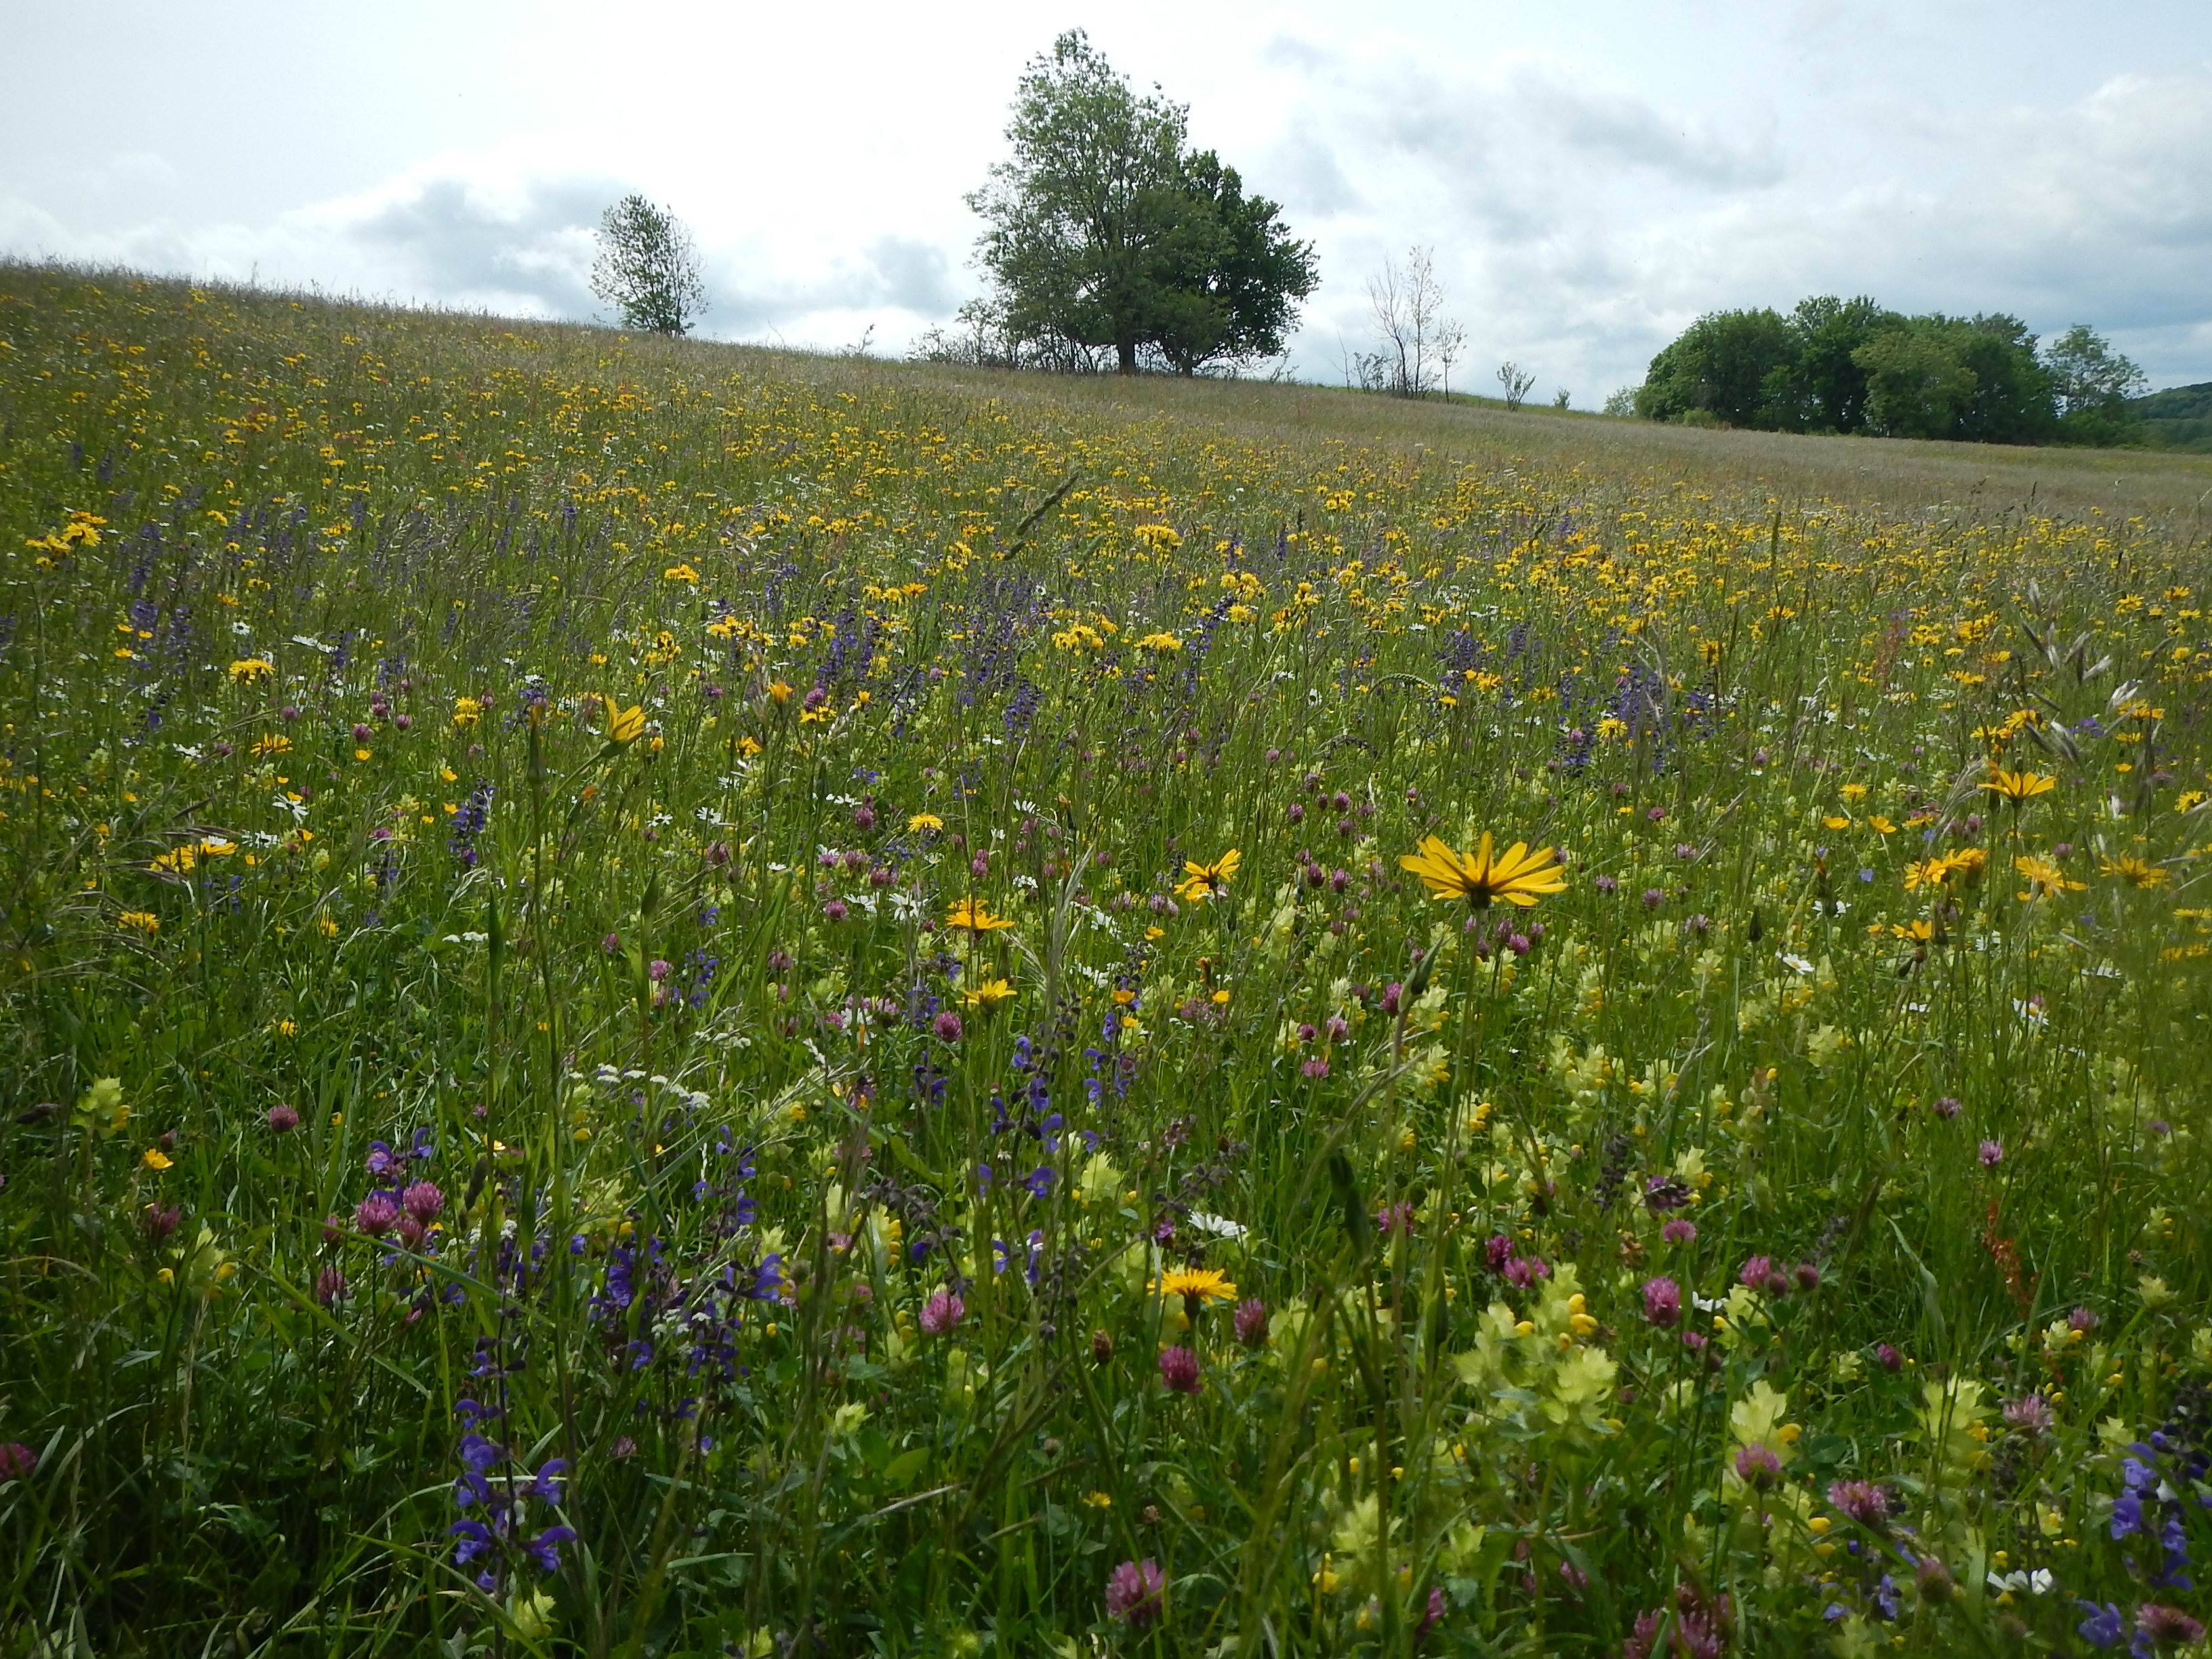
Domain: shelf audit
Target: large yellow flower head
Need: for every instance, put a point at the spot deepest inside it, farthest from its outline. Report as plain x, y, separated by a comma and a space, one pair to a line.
2018, 786
1206, 881
1202, 1283
1516, 875
971, 916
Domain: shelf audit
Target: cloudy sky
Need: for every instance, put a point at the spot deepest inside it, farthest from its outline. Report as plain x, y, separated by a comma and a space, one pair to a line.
1591, 175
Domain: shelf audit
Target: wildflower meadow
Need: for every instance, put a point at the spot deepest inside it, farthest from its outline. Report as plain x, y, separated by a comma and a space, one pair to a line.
656, 999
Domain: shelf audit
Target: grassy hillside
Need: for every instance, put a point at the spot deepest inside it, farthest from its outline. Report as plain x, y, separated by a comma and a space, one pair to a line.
664, 1000
2179, 417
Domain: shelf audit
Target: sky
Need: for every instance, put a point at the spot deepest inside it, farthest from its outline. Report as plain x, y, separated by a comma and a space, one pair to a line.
1590, 176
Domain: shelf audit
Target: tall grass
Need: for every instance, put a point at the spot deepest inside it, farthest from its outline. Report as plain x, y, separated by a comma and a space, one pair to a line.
521, 1140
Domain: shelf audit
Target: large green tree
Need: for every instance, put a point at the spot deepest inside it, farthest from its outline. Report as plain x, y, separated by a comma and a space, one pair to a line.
1975, 379
1104, 233
1725, 368
2093, 383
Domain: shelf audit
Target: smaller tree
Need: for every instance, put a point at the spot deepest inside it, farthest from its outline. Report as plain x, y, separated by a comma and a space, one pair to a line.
648, 267
1416, 343
1516, 381
2092, 383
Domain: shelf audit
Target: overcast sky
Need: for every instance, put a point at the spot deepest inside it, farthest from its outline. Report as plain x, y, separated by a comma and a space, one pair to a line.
1591, 176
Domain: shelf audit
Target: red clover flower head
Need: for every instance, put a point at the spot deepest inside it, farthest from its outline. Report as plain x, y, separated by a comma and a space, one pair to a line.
942, 1312
1860, 1501
1251, 1322
1136, 1594
375, 1214
1179, 1369
1662, 1301
283, 1118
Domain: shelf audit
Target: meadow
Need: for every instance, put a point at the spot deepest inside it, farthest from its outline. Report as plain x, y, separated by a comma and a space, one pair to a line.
663, 999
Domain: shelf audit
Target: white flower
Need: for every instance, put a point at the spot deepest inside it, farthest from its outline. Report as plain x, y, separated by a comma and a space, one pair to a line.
1221, 1226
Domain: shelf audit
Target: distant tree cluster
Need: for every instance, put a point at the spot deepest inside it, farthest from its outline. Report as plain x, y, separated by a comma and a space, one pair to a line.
1849, 366
1110, 243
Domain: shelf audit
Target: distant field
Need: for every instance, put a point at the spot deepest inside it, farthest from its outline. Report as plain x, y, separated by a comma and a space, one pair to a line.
663, 999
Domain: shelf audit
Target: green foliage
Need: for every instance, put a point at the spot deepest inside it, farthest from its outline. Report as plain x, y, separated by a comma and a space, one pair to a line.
1722, 366
562, 770
648, 267
1105, 235
1848, 366
2180, 418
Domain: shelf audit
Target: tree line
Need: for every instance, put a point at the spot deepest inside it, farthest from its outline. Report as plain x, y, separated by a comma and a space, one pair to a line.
1110, 243
1846, 366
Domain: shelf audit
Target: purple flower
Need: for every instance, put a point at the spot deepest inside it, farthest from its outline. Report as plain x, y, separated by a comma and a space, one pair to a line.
942, 1312
1757, 1467
17, 1461
330, 1286
947, 1026
1860, 1501
545, 1548
2167, 1627
1991, 1153
1497, 1251
471, 1539
422, 1201
2031, 1412
1251, 1322
1948, 1107
1888, 1357
383, 1161
1179, 1369
283, 1120
1136, 1594
546, 1488
1662, 1301
2104, 1627
1523, 1271
375, 1214
1432, 1615
1680, 1231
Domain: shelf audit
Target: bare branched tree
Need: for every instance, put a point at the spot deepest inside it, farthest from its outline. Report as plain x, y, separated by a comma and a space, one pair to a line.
1416, 344
1516, 382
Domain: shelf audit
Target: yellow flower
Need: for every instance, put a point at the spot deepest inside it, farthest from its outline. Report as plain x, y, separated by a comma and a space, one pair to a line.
1159, 643
1516, 875
624, 726
144, 920
1205, 1284
251, 668
779, 692
988, 995
2135, 871
680, 573
1833, 822
970, 915
1923, 930
2018, 786
467, 711
154, 1159
2044, 877
1206, 881
922, 821
1880, 825
276, 742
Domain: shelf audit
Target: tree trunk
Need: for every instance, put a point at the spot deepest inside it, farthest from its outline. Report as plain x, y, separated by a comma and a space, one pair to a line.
1128, 354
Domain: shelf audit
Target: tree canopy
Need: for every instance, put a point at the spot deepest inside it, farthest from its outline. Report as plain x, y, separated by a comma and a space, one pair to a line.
648, 267
1106, 236
1846, 366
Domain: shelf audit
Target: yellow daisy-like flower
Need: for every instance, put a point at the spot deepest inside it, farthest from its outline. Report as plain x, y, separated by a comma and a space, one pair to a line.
971, 916
155, 1159
679, 573
144, 920
2044, 877
1205, 1284
1159, 643
1206, 881
251, 668
1923, 930
988, 995
275, 743
2136, 873
779, 692
467, 711
1516, 875
922, 821
2018, 786
624, 726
